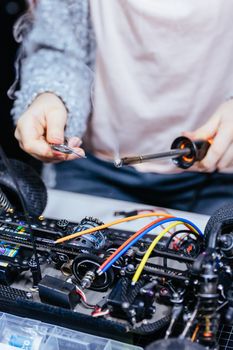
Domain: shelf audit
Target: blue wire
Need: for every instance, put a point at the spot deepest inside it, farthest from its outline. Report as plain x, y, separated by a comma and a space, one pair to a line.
134, 241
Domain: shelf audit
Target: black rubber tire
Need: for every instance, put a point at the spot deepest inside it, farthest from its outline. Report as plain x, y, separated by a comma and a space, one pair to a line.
223, 215
32, 187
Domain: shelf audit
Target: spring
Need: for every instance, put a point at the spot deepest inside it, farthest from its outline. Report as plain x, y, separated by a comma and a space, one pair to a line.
208, 317
208, 323
4, 202
130, 254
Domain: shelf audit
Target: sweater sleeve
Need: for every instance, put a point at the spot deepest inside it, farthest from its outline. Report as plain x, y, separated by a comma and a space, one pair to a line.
56, 60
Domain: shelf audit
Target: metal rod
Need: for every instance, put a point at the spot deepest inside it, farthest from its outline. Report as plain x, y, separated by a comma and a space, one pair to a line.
174, 153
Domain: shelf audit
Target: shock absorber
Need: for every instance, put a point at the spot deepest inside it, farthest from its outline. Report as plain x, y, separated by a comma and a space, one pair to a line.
208, 317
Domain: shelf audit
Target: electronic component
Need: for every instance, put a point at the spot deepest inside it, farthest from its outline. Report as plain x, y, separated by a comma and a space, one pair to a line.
8, 255
18, 341
94, 241
55, 291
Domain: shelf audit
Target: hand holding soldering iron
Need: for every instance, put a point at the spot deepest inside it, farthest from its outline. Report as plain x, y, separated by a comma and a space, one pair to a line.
44, 123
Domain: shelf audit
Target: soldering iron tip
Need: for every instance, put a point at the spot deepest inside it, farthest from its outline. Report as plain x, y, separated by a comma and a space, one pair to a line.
118, 163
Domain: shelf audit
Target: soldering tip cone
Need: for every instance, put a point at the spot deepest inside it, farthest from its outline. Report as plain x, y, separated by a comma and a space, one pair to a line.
118, 163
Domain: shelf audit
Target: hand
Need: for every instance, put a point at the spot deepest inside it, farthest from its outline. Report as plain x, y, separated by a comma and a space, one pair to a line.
219, 128
43, 123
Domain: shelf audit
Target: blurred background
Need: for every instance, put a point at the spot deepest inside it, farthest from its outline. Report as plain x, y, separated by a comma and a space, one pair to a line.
10, 10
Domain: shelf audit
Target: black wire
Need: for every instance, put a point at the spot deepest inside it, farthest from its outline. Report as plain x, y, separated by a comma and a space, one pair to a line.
170, 240
87, 305
11, 172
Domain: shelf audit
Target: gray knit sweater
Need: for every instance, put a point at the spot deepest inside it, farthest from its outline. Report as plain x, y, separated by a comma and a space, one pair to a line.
59, 57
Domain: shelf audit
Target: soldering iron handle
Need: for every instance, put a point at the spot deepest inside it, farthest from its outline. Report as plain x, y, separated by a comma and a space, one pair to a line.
202, 148
198, 150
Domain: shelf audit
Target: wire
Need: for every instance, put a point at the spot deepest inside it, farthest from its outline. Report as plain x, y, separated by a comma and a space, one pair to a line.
143, 232
138, 236
179, 239
171, 238
81, 293
84, 299
87, 305
140, 211
112, 223
149, 251
100, 313
128, 241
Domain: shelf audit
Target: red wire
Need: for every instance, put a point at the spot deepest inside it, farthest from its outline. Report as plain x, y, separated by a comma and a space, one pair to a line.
130, 239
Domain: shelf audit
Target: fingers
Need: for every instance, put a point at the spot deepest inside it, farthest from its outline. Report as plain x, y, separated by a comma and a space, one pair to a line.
31, 139
227, 160
206, 131
74, 151
220, 129
55, 125
42, 124
74, 142
219, 147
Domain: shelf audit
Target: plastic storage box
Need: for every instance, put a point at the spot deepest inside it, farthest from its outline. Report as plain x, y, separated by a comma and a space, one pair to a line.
23, 333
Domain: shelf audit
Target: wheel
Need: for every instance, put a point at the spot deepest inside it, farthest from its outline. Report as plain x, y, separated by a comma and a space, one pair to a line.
32, 187
223, 217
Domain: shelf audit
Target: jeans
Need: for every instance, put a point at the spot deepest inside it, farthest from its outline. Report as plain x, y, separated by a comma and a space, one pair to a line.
188, 191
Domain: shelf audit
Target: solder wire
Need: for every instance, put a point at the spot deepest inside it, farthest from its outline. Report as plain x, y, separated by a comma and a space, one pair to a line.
138, 235
112, 223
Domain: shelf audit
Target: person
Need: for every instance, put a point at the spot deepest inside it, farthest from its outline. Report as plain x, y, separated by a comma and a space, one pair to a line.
126, 77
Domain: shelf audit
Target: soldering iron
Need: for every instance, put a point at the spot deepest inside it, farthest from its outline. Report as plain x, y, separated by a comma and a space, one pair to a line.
184, 153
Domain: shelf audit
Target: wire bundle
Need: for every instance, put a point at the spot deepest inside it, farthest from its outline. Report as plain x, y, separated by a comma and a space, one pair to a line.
141, 233
163, 218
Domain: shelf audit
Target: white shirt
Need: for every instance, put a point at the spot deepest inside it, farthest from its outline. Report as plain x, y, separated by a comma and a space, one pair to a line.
163, 67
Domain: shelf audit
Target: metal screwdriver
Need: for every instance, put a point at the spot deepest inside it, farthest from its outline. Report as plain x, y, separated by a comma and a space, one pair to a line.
184, 153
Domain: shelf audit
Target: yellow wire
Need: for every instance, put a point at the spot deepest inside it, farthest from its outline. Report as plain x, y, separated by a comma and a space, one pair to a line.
115, 222
151, 248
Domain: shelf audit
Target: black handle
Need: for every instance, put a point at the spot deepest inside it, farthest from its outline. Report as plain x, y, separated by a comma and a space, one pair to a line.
198, 150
